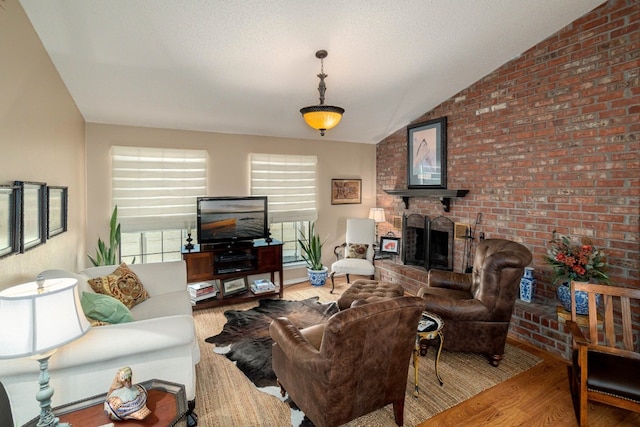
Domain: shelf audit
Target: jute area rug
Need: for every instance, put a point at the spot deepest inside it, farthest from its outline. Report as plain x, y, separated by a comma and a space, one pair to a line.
226, 397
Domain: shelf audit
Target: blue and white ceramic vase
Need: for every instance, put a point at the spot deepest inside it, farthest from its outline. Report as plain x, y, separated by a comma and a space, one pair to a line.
318, 277
582, 300
527, 285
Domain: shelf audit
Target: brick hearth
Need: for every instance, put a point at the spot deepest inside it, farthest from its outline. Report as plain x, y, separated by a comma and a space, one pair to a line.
534, 323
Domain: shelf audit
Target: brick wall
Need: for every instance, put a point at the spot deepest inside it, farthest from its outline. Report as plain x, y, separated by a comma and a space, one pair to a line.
549, 141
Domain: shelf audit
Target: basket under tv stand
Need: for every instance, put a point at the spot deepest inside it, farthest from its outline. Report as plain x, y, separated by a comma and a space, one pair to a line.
233, 260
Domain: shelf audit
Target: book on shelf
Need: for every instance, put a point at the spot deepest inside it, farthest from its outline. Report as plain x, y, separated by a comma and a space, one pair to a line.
261, 286
195, 300
202, 289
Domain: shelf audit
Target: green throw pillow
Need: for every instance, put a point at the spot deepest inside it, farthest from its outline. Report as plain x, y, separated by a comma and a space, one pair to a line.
105, 308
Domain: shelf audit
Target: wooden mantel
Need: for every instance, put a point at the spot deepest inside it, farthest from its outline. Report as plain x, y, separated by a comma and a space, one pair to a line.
444, 195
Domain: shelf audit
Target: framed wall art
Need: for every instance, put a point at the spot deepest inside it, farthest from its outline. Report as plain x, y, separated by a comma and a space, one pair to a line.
33, 214
56, 210
346, 191
390, 245
427, 154
234, 286
9, 220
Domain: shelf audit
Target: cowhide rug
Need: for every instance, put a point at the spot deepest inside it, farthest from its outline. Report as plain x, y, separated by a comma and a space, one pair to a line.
245, 340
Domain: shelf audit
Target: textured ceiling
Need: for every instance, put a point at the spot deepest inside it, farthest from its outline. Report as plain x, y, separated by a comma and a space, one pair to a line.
247, 67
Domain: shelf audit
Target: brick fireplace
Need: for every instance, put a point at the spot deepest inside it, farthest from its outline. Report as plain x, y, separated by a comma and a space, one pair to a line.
547, 142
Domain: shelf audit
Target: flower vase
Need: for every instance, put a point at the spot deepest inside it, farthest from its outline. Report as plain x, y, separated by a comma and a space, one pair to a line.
582, 300
527, 285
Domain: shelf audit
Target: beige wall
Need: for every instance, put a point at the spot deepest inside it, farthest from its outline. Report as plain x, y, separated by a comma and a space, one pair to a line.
41, 139
229, 172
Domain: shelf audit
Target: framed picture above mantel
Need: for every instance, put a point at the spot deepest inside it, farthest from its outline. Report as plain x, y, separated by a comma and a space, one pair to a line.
427, 154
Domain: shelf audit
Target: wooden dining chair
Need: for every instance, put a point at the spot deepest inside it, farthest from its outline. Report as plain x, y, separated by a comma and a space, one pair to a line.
606, 366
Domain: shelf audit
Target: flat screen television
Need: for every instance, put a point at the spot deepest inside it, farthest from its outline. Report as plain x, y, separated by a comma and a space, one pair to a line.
231, 219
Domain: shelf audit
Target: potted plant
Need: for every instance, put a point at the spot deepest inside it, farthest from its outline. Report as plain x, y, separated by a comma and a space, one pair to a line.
312, 254
109, 255
580, 262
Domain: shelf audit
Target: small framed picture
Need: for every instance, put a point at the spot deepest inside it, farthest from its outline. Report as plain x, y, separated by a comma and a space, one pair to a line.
234, 286
390, 245
346, 191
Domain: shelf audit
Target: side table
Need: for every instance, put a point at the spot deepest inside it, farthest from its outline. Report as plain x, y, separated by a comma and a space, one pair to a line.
429, 327
167, 402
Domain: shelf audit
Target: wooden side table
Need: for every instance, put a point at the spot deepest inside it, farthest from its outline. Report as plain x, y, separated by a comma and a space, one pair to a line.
429, 327
167, 402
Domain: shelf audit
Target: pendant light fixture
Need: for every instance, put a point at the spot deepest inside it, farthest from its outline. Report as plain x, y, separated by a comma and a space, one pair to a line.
322, 117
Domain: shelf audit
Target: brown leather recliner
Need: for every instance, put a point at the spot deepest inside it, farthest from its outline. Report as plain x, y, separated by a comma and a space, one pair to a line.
355, 363
476, 307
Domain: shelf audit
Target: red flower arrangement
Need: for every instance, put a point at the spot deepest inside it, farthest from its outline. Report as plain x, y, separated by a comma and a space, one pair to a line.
579, 262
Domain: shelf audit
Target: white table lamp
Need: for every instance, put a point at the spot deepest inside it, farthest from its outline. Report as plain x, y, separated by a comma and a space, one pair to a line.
377, 215
44, 315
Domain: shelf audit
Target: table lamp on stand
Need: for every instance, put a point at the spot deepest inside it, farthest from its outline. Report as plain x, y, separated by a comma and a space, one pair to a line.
44, 315
377, 215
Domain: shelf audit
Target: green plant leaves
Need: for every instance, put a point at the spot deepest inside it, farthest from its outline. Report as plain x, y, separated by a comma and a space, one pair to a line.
108, 255
312, 249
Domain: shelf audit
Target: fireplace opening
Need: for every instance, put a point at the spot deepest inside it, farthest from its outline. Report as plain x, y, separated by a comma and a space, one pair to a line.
439, 248
414, 238
427, 243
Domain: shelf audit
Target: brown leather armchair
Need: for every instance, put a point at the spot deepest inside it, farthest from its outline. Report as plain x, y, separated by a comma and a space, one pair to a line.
476, 307
355, 363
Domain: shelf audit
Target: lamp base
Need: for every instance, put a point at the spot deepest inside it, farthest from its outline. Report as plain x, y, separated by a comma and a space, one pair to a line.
44, 394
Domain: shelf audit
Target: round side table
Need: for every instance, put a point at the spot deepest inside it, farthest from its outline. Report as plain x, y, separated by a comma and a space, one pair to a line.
429, 327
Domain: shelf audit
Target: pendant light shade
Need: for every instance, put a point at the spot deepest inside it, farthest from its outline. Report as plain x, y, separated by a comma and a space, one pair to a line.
322, 117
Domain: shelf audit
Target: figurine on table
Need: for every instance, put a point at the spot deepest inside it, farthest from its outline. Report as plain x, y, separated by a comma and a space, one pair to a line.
125, 401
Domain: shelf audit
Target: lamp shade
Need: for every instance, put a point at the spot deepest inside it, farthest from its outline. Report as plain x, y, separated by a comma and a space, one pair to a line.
377, 214
322, 117
41, 318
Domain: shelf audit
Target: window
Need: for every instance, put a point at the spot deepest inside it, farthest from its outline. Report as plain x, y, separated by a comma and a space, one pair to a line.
290, 183
155, 190
152, 246
289, 233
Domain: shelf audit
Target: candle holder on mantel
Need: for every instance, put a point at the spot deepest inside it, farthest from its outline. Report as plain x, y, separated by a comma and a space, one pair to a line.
189, 246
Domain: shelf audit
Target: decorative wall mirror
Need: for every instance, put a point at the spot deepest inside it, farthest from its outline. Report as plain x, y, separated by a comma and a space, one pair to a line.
9, 220
33, 214
56, 210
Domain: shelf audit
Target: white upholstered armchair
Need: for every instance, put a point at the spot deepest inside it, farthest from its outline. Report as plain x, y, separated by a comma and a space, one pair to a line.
355, 256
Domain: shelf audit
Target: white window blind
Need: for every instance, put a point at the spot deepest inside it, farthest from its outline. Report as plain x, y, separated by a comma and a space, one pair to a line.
290, 183
156, 188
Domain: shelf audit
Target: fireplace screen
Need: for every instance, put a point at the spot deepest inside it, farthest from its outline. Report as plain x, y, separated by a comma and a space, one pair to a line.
427, 243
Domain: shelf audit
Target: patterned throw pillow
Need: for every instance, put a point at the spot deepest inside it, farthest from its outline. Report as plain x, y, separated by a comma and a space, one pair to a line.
122, 284
356, 250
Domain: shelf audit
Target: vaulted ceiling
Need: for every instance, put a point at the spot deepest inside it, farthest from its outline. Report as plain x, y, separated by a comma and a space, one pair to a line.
248, 66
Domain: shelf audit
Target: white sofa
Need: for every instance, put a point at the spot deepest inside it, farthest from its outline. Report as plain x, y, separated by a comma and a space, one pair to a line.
161, 343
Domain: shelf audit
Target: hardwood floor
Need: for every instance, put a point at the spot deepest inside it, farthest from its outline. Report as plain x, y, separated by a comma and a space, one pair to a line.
537, 397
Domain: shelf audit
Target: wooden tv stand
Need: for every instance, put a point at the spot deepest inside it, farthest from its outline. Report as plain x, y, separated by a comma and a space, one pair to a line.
223, 262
